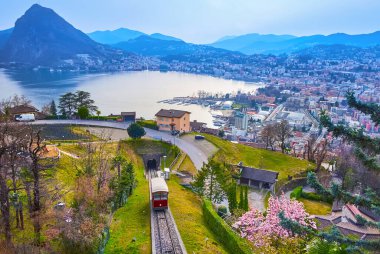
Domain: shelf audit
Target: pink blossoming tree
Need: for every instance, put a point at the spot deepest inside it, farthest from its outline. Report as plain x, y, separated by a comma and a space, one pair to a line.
262, 230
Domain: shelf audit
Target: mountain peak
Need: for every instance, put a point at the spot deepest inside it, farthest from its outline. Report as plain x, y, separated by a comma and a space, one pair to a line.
41, 36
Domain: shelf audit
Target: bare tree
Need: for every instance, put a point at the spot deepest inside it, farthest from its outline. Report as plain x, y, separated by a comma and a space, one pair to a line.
321, 152
12, 143
38, 164
269, 136
283, 132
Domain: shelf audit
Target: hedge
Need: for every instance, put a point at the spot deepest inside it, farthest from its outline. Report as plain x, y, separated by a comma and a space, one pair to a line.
103, 118
233, 242
296, 193
299, 193
148, 124
317, 197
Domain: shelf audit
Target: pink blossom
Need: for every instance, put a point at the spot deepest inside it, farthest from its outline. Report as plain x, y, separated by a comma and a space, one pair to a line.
260, 229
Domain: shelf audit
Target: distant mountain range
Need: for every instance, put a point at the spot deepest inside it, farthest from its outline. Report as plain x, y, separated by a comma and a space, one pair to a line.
238, 43
151, 46
42, 37
277, 44
123, 35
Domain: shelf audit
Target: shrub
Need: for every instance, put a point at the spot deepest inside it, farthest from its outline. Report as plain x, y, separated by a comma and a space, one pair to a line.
296, 193
316, 197
222, 210
223, 232
135, 131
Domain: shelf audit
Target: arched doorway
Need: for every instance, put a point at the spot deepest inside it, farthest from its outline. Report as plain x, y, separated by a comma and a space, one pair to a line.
152, 164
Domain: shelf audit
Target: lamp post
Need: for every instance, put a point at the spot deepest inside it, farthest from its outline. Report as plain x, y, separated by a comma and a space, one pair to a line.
164, 161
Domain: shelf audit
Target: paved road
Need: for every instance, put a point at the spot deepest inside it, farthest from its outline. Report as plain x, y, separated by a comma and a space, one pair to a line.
196, 155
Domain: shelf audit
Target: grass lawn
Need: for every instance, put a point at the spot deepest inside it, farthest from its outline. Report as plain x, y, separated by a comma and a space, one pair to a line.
186, 208
132, 220
188, 166
261, 158
316, 207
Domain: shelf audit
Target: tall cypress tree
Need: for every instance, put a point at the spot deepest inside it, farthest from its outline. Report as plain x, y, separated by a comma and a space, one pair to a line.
246, 206
241, 198
53, 108
232, 202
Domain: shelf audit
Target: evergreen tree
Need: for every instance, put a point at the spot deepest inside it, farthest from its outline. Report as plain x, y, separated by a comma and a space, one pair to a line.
246, 206
53, 108
232, 202
241, 198
209, 182
366, 149
67, 104
135, 131
83, 99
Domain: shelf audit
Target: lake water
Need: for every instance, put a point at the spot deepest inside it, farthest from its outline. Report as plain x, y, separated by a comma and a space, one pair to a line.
127, 91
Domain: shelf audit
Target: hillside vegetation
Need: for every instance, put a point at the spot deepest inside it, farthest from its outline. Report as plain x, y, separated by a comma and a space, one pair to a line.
234, 153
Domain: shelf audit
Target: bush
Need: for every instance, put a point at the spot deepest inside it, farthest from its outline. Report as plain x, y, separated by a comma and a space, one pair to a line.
222, 210
135, 131
296, 193
104, 118
233, 242
316, 197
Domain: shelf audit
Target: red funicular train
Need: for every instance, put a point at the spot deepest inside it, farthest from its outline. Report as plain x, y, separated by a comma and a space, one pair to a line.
160, 193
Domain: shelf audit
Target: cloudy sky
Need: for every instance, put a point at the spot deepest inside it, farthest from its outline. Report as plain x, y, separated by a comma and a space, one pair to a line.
203, 21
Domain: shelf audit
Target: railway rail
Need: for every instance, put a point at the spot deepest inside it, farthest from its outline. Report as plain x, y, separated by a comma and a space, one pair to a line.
165, 236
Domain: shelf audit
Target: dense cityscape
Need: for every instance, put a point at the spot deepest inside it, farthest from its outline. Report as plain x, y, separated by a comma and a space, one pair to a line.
288, 163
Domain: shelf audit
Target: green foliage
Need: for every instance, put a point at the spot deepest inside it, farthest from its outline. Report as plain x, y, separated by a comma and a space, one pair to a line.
231, 153
241, 198
231, 195
317, 197
53, 108
319, 246
135, 131
175, 150
148, 124
210, 181
83, 112
222, 210
371, 109
70, 103
366, 147
368, 199
246, 206
123, 185
223, 232
296, 193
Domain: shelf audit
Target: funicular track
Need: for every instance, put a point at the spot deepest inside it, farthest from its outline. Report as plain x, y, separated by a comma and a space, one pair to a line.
166, 236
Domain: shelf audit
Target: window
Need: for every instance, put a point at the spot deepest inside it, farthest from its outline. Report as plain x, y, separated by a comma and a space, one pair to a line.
184, 125
160, 196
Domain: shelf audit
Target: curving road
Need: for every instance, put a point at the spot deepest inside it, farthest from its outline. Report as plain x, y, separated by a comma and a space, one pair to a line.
196, 155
